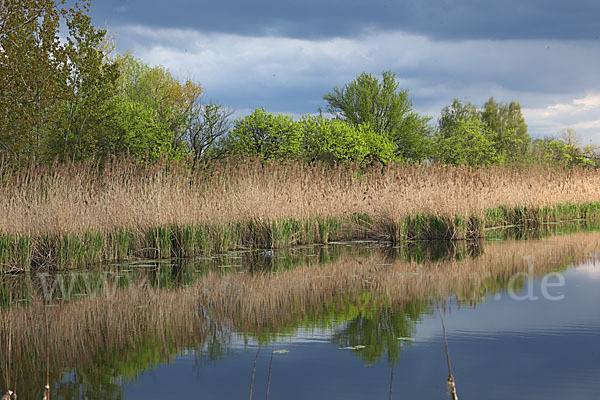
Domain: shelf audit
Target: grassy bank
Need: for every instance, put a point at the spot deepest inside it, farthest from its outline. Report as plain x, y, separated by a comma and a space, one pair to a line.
71, 215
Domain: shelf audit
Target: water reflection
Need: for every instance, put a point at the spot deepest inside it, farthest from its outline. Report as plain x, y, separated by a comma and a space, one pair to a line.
175, 273
367, 301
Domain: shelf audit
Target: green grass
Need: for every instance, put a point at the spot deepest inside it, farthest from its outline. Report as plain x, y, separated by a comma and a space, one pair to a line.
93, 246
15, 251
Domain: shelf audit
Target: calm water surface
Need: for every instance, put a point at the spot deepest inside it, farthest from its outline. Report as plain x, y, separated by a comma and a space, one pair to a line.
500, 349
501, 345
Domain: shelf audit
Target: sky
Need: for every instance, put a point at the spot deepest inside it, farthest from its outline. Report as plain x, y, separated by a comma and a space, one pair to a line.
285, 55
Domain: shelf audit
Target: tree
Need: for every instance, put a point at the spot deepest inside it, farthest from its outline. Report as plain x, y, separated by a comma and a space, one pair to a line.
175, 104
87, 111
376, 327
336, 141
466, 142
208, 123
32, 74
137, 133
570, 138
451, 115
415, 144
503, 126
385, 108
565, 151
509, 129
266, 135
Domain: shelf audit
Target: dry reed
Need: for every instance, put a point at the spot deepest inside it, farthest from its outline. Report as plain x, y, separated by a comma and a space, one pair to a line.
76, 213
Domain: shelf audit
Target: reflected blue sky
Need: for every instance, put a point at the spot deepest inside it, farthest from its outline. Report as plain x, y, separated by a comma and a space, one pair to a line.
500, 349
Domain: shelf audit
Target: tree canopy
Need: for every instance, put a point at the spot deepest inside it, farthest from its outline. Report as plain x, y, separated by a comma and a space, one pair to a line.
467, 142
386, 109
498, 124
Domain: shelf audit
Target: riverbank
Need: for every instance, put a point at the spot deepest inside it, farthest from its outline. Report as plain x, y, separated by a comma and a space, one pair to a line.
70, 216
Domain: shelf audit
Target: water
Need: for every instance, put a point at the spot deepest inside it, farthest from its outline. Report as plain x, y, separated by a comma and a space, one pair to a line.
500, 349
522, 321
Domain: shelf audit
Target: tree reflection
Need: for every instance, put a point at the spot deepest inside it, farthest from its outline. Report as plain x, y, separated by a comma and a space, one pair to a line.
382, 331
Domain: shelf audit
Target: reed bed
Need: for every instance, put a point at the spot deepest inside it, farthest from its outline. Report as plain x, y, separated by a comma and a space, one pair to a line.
74, 214
145, 326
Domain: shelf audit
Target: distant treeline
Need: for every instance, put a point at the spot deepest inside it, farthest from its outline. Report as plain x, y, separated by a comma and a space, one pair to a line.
74, 99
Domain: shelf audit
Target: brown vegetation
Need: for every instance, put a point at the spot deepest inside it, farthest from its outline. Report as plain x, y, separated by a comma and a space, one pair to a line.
246, 199
76, 198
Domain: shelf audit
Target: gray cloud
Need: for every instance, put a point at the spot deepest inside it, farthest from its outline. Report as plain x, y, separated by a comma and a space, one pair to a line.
284, 55
437, 19
291, 75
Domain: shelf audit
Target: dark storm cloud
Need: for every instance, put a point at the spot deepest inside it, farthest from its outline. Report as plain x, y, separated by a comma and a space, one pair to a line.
441, 19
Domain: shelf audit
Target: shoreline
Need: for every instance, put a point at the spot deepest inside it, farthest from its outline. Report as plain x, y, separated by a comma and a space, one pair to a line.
20, 253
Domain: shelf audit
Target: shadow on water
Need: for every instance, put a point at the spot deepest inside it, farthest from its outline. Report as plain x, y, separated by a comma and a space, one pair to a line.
106, 326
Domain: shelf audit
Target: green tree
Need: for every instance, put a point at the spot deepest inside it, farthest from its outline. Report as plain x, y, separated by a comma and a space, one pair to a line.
137, 133
565, 151
336, 141
32, 74
175, 104
266, 135
87, 112
503, 126
385, 108
509, 129
415, 143
452, 114
378, 330
466, 142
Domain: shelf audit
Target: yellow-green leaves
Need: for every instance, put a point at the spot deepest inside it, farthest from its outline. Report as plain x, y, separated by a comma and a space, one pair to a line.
337, 141
268, 135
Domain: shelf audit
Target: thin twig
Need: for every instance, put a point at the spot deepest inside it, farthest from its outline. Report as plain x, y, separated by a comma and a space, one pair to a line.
450, 382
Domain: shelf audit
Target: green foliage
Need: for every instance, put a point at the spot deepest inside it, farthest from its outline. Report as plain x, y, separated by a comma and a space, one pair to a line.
313, 138
386, 109
551, 151
376, 328
500, 125
365, 101
87, 110
414, 143
173, 106
452, 114
267, 135
34, 67
467, 142
380, 148
137, 133
510, 136
336, 141
68, 99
